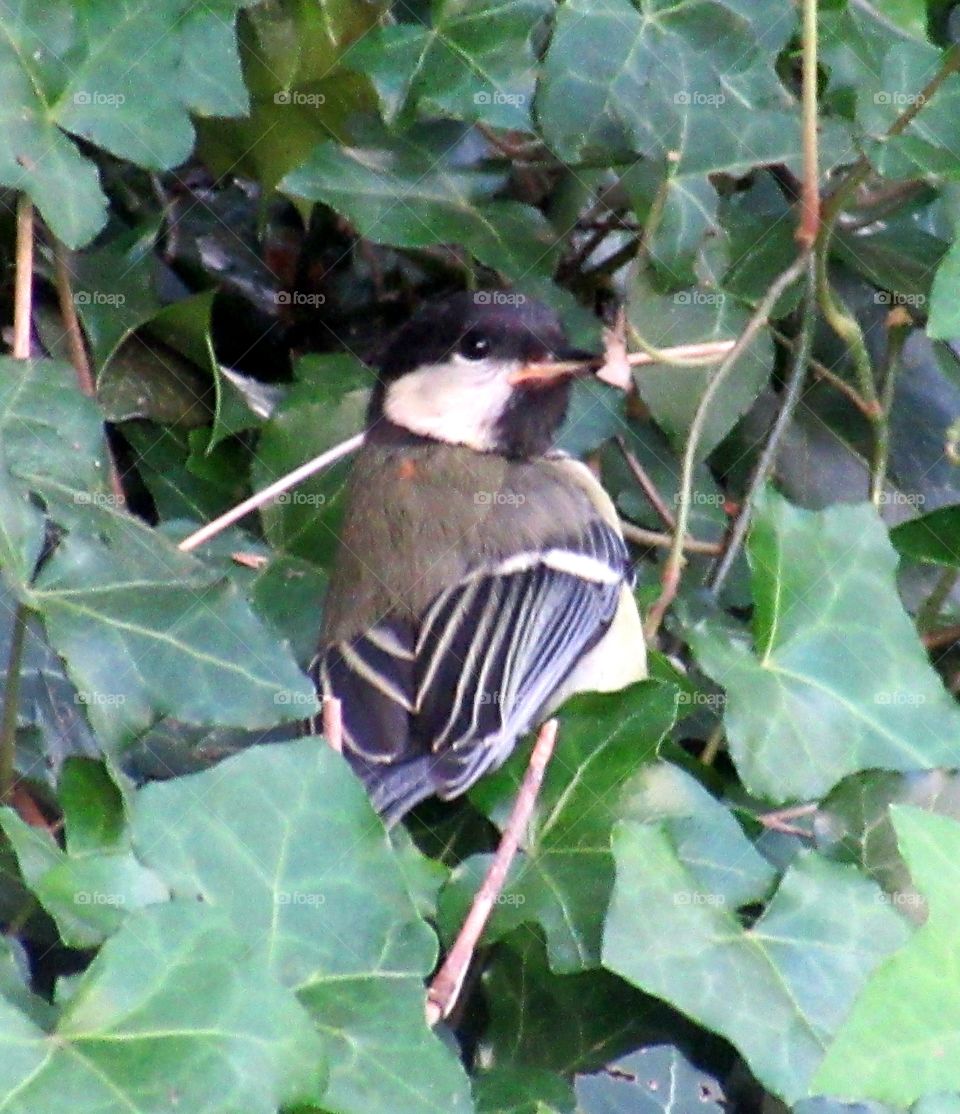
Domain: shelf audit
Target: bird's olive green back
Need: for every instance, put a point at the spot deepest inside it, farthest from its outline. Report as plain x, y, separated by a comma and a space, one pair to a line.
421, 517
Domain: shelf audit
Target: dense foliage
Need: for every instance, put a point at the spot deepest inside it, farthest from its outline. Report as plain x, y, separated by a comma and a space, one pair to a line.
741, 885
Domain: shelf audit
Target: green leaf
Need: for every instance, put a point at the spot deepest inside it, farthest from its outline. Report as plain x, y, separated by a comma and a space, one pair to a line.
173, 1011
88, 894
48, 429
473, 62
837, 680
650, 1081
944, 320
137, 112
854, 824
287, 845
562, 879
708, 840
929, 143
566, 1023
895, 1046
673, 393
522, 1091
798, 968
317, 414
409, 191
934, 537
134, 617
691, 80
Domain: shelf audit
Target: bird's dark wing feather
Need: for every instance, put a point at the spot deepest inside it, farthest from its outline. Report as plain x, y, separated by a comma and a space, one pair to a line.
429, 711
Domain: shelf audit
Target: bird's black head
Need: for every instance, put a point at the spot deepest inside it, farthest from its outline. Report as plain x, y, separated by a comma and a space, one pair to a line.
459, 371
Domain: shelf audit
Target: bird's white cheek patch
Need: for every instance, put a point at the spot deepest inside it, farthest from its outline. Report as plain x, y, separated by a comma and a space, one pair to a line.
454, 402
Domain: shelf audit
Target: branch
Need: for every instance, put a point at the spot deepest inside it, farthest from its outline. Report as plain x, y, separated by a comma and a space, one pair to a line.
674, 563
899, 323
291, 479
445, 987
768, 458
78, 351
647, 486
639, 536
810, 198
22, 314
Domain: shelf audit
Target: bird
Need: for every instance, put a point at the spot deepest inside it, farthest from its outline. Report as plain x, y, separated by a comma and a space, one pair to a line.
481, 575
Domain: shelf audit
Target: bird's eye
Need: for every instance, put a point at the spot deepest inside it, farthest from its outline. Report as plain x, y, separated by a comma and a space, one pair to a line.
474, 346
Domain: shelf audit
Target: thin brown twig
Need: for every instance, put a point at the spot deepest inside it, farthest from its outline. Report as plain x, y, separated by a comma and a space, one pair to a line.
821, 371
640, 536
779, 820
670, 578
22, 326
647, 486
23, 288
445, 987
937, 639
333, 723
78, 351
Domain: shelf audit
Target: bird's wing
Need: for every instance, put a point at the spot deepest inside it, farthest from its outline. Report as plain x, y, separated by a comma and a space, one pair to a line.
453, 695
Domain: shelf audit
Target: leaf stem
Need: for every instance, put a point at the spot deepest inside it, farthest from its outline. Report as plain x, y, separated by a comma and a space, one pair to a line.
445, 988
23, 289
647, 486
78, 350
899, 323
810, 197
670, 578
11, 704
22, 324
768, 458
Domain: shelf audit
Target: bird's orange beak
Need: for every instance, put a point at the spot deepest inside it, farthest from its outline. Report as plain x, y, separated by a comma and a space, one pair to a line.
561, 365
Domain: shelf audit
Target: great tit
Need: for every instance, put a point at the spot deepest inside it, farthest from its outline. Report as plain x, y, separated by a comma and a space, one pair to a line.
481, 576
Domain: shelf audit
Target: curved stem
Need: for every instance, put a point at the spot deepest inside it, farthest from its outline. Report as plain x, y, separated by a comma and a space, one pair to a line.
674, 563
768, 458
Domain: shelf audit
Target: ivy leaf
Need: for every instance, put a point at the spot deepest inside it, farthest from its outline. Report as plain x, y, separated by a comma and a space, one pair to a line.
673, 394
690, 79
88, 894
140, 113
895, 1046
287, 845
656, 1080
409, 191
837, 680
563, 877
799, 967
131, 614
473, 62
173, 1011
